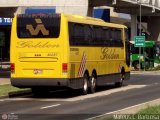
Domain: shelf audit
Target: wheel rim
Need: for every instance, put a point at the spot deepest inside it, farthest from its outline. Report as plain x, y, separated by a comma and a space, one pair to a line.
93, 83
85, 86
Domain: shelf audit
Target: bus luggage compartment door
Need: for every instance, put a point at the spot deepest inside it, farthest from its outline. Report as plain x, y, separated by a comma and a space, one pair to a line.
38, 65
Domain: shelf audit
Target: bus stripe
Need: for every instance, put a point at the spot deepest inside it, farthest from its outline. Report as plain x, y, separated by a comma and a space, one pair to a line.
82, 66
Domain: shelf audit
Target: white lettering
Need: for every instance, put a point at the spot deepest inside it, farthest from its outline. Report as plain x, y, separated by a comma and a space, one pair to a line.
7, 20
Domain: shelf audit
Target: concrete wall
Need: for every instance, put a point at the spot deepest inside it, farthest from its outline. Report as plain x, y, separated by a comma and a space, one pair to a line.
154, 27
62, 6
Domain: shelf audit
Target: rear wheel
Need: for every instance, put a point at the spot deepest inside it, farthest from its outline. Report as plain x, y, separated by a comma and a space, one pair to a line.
120, 83
122, 76
136, 65
85, 84
93, 83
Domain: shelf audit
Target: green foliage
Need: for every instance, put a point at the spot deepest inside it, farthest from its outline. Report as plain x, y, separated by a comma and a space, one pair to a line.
5, 89
154, 68
150, 113
151, 110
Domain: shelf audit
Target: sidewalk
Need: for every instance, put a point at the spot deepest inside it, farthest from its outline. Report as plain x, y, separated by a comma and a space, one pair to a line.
146, 72
4, 81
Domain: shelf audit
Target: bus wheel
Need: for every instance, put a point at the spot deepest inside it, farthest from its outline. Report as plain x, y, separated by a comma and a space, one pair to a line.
122, 76
136, 65
120, 83
93, 83
85, 84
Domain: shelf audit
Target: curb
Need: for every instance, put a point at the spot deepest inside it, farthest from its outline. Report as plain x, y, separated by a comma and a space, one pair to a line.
129, 110
17, 93
158, 71
3, 97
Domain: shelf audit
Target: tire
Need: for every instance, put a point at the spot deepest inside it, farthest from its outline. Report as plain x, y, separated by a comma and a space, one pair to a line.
122, 76
85, 84
93, 83
120, 83
136, 66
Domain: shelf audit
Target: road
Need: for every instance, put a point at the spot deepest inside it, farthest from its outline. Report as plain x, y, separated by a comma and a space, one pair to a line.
63, 105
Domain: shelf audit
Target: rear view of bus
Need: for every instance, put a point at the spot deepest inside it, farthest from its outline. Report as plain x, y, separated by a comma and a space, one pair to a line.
37, 51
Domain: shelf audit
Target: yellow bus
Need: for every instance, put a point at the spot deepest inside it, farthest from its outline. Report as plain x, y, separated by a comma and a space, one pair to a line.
58, 50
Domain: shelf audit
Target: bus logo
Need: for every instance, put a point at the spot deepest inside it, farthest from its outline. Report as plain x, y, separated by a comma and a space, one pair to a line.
40, 27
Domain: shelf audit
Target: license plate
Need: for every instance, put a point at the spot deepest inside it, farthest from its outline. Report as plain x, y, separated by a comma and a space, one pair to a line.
37, 71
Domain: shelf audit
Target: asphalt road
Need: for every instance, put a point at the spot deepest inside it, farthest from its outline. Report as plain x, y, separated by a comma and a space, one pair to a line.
64, 105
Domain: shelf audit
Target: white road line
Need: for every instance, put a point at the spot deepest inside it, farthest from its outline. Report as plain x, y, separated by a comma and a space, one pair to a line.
1, 100
50, 106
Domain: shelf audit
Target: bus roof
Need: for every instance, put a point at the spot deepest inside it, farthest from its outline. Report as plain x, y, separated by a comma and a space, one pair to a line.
91, 20
85, 20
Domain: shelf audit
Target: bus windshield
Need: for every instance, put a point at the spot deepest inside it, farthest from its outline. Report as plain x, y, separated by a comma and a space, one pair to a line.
38, 26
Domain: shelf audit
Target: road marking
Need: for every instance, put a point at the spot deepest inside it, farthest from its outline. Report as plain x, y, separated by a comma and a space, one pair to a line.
121, 111
83, 97
50, 106
1, 100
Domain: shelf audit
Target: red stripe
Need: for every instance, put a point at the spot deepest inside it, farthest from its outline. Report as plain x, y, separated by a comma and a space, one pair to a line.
82, 66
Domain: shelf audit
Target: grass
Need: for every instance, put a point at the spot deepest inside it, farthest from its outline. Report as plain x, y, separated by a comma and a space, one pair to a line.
6, 89
154, 68
150, 113
151, 110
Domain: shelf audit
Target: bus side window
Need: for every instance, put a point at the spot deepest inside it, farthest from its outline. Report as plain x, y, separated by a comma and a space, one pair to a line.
71, 33
98, 39
88, 35
112, 37
78, 36
119, 38
116, 37
106, 34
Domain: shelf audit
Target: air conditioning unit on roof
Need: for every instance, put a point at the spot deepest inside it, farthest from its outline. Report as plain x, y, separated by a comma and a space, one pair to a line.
157, 3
